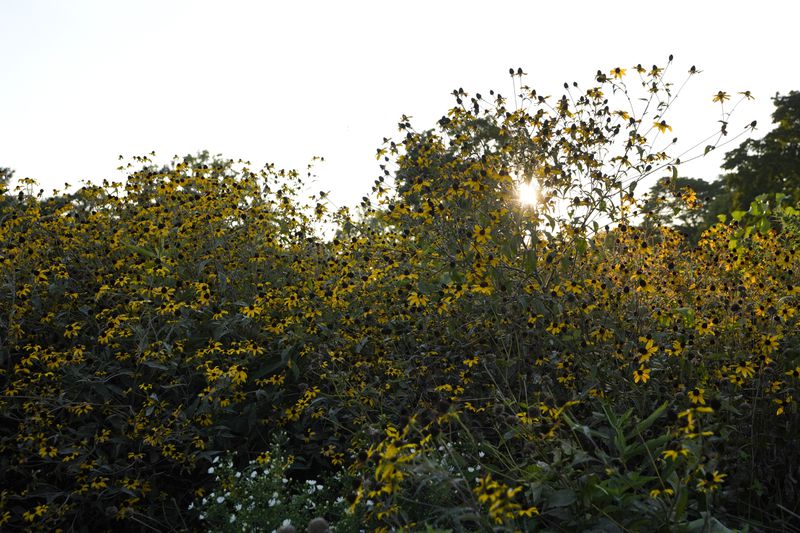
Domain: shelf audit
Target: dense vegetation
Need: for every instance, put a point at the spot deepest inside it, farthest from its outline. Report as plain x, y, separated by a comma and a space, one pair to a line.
447, 358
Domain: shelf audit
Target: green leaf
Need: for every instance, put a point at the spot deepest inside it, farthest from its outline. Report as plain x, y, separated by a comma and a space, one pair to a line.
650, 445
645, 424
141, 250
580, 244
561, 498
683, 501
737, 215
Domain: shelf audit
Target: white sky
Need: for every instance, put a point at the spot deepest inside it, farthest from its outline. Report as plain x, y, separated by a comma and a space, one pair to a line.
84, 81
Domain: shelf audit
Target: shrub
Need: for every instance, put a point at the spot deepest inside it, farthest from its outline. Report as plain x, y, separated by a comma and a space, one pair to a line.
468, 361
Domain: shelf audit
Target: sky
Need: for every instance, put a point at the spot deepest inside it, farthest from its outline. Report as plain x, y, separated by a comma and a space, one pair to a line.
82, 82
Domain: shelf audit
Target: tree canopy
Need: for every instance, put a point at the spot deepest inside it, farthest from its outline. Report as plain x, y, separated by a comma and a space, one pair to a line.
770, 164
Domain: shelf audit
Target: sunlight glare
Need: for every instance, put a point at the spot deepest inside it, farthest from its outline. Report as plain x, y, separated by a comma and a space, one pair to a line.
528, 193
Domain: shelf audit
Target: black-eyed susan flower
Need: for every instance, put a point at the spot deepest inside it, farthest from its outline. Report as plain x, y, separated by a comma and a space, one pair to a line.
662, 126
720, 97
641, 375
481, 234
674, 451
710, 481
696, 396
617, 72
648, 350
72, 330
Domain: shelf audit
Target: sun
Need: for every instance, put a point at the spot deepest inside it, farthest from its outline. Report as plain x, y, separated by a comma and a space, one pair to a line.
528, 193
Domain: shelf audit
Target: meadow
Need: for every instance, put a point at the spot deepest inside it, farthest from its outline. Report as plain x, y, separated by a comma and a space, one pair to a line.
204, 346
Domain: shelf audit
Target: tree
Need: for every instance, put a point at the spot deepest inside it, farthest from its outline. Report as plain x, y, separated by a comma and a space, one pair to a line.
689, 204
771, 164
6, 200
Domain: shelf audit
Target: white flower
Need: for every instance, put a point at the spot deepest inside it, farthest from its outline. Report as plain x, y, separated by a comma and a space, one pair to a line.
238, 506
253, 474
238, 475
220, 499
233, 518
210, 469
286, 523
481, 454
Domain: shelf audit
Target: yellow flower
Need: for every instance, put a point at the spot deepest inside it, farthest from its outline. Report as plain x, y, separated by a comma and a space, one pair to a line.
696, 396
481, 235
711, 481
720, 97
532, 320
483, 287
648, 350
251, 311
530, 511
263, 458
662, 126
618, 72
655, 493
746, 370
237, 374
471, 362
417, 300
72, 330
675, 451
641, 375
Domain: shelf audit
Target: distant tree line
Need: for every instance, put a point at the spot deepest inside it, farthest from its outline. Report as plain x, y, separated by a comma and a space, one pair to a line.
758, 166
